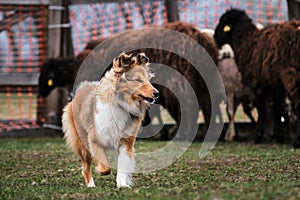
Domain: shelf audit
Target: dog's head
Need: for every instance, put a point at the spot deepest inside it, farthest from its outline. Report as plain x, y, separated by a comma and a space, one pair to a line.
134, 79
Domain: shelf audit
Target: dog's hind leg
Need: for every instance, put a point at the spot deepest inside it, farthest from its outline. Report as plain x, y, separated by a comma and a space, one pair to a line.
102, 168
74, 141
86, 161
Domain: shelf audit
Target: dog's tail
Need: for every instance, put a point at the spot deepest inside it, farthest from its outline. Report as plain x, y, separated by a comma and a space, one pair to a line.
70, 133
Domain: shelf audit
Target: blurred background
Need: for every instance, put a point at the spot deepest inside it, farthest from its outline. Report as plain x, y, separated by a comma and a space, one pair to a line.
34, 30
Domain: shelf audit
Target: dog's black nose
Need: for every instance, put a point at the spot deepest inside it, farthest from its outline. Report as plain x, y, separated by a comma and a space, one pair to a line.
156, 94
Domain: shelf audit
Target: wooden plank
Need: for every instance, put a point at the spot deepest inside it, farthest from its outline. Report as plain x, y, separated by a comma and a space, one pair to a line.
294, 9
25, 2
73, 2
23, 8
67, 48
172, 10
19, 79
59, 37
54, 35
70, 2
43, 19
51, 109
60, 45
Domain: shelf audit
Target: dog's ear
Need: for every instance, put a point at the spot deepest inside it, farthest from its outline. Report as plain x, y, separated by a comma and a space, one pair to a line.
122, 63
125, 60
141, 58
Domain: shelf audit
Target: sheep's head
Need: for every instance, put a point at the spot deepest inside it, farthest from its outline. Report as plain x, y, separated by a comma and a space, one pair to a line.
56, 72
233, 23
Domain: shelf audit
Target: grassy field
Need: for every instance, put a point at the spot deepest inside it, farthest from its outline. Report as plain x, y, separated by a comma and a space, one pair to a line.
43, 168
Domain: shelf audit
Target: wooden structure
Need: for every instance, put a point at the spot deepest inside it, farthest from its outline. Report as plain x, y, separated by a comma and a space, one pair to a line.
55, 40
294, 9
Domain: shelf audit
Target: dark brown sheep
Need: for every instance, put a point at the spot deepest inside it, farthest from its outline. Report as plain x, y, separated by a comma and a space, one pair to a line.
269, 62
168, 99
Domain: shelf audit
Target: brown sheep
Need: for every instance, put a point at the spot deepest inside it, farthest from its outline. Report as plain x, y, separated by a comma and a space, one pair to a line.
167, 98
236, 93
268, 60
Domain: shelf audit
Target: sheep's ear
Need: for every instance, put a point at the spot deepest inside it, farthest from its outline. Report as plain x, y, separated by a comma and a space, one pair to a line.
50, 82
226, 28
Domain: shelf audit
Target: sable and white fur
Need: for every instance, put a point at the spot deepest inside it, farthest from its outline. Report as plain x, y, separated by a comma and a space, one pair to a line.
107, 115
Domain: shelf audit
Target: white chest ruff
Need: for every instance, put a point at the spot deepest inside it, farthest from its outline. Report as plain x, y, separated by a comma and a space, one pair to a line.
111, 124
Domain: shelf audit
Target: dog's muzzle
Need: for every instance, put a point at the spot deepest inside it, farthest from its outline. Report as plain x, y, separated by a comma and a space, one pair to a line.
152, 99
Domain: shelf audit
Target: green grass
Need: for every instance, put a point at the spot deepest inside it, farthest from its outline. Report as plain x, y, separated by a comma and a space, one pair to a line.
44, 168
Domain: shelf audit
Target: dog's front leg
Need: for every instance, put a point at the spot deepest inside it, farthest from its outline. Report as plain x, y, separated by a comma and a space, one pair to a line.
126, 166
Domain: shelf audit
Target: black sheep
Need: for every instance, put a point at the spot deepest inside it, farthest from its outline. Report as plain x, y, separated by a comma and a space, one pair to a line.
57, 72
269, 62
61, 72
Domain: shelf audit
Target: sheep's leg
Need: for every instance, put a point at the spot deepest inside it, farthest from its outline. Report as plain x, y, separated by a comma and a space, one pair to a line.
230, 133
176, 114
296, 143
158, 115
289, 79
206, 110
188, 126
261, 109
278, 111
147, 119
219, 113
248, 111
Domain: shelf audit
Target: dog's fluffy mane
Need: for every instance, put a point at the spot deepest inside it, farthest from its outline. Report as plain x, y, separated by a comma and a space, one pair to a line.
107, 85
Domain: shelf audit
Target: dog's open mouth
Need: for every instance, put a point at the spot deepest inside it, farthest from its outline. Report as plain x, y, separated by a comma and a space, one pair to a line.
148, 99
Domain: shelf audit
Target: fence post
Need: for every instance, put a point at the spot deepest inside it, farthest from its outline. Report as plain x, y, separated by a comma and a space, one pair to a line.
43, 53
60, 45
172, 10
294, 9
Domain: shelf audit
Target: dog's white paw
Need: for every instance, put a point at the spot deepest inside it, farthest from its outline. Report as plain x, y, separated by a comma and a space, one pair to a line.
91, 183
124, 180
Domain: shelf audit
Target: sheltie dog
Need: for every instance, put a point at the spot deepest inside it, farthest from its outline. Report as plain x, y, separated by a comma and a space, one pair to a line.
107, 115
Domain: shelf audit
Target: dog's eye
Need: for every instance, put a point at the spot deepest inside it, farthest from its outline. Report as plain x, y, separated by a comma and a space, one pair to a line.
138, 80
